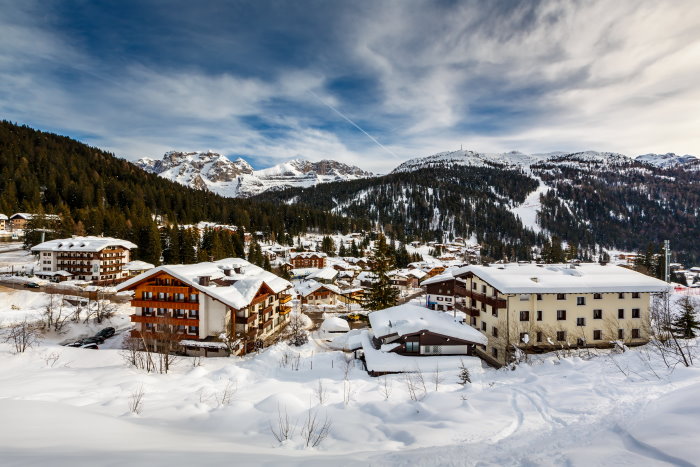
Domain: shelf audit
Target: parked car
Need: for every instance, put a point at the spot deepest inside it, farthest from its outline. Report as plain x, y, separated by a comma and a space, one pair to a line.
32, 285
92, 346
106, 333
92, 340
75, 344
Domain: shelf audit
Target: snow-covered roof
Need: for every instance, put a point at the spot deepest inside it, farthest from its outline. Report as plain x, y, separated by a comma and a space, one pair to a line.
85, 244
445, 276
3, 217
366, 276
307, 254
137, 265
389, 362
563, 278
311, 286
409, 319
324, 274
243, 285
28, 216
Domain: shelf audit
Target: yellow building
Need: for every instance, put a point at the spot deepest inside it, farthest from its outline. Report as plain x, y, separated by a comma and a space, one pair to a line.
544, 307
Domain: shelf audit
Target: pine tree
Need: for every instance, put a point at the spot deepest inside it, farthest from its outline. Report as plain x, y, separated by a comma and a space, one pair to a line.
687, 322
382, 294
328, 246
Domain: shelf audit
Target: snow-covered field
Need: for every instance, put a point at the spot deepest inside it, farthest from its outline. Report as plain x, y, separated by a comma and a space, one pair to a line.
67, 406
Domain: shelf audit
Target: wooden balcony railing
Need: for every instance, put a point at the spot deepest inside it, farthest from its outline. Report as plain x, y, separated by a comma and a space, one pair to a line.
249, 320
164, 320
488, 299
285, 298
266, 324
151, 335
155, 303
283, 310
467, 309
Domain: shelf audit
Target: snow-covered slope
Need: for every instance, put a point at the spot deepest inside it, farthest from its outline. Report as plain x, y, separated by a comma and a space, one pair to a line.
217, 173
669, 160
519, 159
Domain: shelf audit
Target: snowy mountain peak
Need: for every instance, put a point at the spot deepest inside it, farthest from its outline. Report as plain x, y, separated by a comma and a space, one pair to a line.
237, 178
668, 160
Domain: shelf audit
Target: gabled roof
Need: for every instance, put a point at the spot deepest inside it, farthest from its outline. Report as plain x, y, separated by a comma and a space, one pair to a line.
243, 287
564, 278
84, 244
308, 287
410, 319
327, 273
307, 254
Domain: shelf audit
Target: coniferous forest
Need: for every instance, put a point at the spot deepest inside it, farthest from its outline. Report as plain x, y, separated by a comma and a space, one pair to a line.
96, 193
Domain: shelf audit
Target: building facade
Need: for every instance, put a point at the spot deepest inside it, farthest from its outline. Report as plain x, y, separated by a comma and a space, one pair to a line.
307, 259
545, 307
440, 292
211, 309
99, 260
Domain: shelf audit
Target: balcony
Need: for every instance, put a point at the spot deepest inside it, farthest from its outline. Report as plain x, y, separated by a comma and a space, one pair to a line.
467, 309
173, 304
171, 289
259, 299
488, 299
249, 320
266, 310
283, 310
285, 298
266, 324
164, 320
460, 290
159, 335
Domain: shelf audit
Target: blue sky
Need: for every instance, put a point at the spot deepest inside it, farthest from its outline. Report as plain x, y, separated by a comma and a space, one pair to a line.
370, 83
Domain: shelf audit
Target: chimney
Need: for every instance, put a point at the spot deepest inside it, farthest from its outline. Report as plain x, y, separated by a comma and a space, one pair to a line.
204, 280
227, 272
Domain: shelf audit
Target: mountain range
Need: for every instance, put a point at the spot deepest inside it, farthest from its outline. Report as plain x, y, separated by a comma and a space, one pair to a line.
237, 178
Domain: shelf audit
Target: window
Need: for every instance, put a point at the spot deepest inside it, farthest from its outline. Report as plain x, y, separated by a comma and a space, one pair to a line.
635, 294
580, 321
412, 347
580, 300
193, 330
524, 297
524, 337
524, 316
494, 352
621, 295
597, 296
439, 299
149, 326
620, 313
473, 285
561, 336
494, 312
635, 334
561, 315
180, 329
483, 289
147, 295
561, 296
161, 296
160, 312
620, 333
472, 321
539, 315
597, 335
635, 313
539, 336
539, 296
147, 311
179, 313
193, 314
597, 314
193, 297
494, 331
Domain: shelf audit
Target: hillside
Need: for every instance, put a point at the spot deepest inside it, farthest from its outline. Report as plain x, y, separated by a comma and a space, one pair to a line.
513, 201
98, 193
237, 179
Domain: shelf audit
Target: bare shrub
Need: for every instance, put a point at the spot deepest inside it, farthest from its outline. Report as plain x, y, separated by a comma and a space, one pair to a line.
22, 335
284, 428
321, 392
51, 359
415, 384
386, 387
54, 316
290, 360
226, 396
437, 377
298, 336
136, 399
315, 431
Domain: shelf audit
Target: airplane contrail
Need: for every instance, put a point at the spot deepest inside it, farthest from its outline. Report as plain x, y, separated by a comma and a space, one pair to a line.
346, 118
